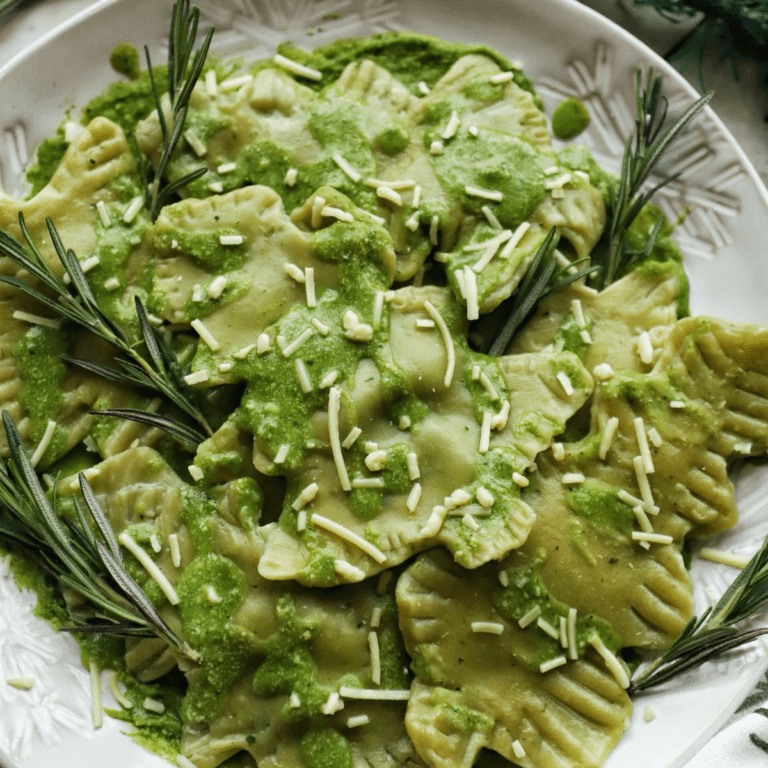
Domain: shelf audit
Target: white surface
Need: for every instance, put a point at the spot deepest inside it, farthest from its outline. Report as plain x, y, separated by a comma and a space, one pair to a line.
722, 240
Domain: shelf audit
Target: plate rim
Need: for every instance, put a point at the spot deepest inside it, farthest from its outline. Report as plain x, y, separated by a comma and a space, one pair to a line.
603, 25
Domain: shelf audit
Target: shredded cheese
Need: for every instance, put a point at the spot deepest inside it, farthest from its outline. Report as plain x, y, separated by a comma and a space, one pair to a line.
412, 463
436, 148
645, 348
358, 720
548, 628
374, 694
45, 441
303, 376
348, 571
231, 239
198, 377
613, 664
548, 666
412, 502
573, 478
470, 283
518, 749
725, 558
373, 647
321, 326
447, 340
642, 480
652, 538
296, 68
484, 497
520, 480
173, 544
97, 713
36, 319
130, 544
502, 77
233, 83
490, 216
485, 433
530, 617
305, 335
655, 437
453, 126
573, 651
334, 405
328, 380
487, 627
609, 431
433, 229
469, 521
565, 383
206, 335
350, 439
114, 687
367, 482
290, 177
346, 167
306, 496
642, 441
350, 536
648, 713
194, 142
485, 194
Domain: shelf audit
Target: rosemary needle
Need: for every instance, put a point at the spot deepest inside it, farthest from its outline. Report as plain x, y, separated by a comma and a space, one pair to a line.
715, 632
82, 555
156, 369
653, 138
182, 77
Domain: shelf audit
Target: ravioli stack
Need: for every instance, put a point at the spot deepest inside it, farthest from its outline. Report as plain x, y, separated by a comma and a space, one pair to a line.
320, 281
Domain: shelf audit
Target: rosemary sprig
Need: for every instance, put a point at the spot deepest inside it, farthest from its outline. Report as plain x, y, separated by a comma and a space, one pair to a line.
715, 632
653, 138
539, 283
155, 368
83, 556
181, 80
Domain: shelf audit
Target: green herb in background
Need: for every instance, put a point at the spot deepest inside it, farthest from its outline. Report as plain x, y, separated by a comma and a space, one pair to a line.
737, 30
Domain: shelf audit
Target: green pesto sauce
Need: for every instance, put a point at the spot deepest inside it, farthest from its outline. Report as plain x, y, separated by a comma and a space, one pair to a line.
570, 118
392, 139
527, 590
576, 157
410, 57
463, 719
126, 103
600, 504
125, 60
38, 355
204, 248
288, 664
325, 748
225, 647
569, 339
497, 162
49, 155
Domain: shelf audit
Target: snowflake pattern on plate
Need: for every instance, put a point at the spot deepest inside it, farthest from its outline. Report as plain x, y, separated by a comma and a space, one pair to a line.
59, 701
704, 186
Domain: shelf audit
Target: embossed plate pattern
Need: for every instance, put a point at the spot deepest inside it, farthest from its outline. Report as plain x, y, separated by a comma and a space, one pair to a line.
568, 50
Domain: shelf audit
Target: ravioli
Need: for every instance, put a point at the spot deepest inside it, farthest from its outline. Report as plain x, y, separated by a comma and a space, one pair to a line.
391, 550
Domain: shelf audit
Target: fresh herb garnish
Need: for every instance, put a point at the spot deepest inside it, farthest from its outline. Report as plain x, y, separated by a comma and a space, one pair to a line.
181, 80
541, 281
715, 632
83, 555
150, 364
654, 136
735, 30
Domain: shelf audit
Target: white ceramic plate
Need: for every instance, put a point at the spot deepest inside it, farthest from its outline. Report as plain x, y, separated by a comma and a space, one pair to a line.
566, 49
